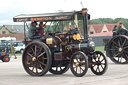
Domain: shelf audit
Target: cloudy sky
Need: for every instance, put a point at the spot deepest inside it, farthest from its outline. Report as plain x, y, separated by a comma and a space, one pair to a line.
97, 8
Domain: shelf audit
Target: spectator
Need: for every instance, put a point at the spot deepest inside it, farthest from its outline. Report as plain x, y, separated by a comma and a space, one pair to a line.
13, 51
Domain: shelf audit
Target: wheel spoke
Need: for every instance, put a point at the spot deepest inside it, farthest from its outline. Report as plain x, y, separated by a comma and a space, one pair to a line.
98, 68
119, 43
35, 50
116, 44
41, 63
40, 50
34, 66
36, 69
125, 51
118, 58
94, 65
125, 57
121, 59
30, 55
76, 69
77, 59
102, 60
81, 68
126, 47
99, 58
102, 66
117, 54
41, 54
56, 68
61, 69
124, 43
41, 66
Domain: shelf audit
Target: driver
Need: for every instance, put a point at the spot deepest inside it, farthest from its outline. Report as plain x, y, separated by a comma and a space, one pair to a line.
32, 32
120, 27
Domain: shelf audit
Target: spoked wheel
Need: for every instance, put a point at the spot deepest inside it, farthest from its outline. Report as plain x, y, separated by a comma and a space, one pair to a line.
118, 49
98, 63
36, 59
79, 64
59, 69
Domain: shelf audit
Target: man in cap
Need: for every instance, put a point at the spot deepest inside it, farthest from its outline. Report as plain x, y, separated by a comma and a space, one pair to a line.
32, 32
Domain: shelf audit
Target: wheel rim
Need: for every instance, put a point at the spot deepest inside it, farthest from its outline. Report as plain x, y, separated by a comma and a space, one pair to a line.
118, 49
36, 60
79, 64
99, 63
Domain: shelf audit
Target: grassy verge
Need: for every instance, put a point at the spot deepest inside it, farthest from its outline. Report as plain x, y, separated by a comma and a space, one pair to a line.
100, 48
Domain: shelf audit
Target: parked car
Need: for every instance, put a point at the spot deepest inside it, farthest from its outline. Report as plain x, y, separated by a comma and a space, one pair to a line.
18, 45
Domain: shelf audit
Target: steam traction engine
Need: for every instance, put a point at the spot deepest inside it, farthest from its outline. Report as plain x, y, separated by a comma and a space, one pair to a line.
117, 47
58, 51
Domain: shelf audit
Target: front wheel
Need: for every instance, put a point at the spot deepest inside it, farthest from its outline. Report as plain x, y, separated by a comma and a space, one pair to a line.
36, 59
79, 64
99, 63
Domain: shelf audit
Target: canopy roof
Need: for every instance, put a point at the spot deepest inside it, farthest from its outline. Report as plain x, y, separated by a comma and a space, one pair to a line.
45, 17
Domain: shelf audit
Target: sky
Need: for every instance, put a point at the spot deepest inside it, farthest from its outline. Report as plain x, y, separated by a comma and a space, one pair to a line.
96, 8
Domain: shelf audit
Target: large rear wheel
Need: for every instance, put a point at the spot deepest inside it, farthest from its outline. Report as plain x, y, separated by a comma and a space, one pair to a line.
37, 59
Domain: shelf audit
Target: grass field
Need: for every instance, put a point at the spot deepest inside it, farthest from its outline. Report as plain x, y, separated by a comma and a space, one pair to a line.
100, 48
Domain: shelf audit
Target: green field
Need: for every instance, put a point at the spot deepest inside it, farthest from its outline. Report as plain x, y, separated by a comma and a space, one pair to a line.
100, 48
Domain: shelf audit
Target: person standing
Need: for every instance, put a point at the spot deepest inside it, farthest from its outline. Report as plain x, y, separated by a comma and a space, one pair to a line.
114, 30
13, 51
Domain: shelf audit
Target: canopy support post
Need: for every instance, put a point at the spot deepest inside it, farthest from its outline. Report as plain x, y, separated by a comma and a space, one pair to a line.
24, 32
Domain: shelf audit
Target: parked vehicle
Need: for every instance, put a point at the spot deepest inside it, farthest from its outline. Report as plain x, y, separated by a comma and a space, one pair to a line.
19, 45
4, 55
61, 47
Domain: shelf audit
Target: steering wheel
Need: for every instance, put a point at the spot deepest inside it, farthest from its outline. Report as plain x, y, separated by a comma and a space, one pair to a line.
73, 31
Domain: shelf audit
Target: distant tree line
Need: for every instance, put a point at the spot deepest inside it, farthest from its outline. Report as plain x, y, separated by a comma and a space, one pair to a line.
109, 21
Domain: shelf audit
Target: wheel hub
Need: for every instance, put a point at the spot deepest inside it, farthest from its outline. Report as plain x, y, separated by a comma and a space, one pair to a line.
120, 49
34, 59
77, 64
